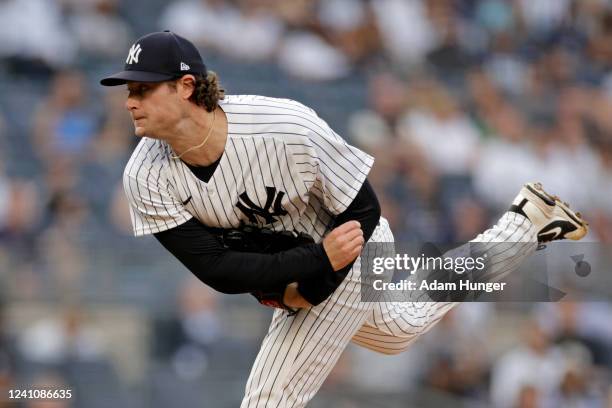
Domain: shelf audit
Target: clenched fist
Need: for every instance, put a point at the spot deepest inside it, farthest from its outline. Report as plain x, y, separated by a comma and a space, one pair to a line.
344, 244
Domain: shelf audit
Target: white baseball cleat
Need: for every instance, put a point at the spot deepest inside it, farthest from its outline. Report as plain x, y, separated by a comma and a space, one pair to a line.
552, 217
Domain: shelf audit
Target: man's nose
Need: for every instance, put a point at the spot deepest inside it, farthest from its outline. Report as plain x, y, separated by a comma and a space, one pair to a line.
130, 103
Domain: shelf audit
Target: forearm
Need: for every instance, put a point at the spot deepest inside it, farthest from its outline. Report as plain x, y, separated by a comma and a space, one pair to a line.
365, 209
238, 272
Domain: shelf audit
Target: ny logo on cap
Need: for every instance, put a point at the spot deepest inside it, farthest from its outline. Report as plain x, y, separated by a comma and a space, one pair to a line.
133, 55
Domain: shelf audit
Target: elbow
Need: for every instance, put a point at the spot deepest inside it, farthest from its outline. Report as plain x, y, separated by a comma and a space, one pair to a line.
222, 289
226, 287
370, 196
377, 210
219, 284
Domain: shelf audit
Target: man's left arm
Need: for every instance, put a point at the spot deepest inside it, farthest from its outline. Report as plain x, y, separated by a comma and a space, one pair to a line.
365, 209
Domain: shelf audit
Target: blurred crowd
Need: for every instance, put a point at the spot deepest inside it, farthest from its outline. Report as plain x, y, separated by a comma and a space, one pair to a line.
461, 102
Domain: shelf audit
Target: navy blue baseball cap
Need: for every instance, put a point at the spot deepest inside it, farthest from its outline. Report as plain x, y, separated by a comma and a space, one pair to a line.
157, 57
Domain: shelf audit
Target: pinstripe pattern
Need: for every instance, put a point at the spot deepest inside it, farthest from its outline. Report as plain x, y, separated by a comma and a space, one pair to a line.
299, 352
392, 326
271, 143
282, 144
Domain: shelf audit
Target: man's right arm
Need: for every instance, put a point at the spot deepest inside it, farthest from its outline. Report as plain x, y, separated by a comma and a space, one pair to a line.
227, 271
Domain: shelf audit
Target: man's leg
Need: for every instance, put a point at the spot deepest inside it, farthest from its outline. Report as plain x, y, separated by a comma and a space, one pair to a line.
299, 351
392, 326
534, 216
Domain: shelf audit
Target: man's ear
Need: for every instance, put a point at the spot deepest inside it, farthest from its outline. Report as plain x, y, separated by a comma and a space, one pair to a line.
186, 86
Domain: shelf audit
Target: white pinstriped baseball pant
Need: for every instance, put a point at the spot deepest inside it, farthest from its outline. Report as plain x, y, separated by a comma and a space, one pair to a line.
298, 352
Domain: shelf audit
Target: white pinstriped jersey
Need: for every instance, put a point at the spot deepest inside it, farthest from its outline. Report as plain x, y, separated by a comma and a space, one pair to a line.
283, 167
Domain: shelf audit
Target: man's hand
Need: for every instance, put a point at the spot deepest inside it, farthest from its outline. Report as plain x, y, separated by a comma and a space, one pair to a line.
344, 244
292, 297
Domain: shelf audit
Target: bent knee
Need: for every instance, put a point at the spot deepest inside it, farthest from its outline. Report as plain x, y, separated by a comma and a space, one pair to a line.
389, 349
392, 352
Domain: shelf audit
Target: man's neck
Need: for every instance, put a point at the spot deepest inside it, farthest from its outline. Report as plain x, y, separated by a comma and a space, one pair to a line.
192, 132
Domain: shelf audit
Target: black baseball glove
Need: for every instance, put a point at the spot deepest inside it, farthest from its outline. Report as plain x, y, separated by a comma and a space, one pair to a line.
247, 238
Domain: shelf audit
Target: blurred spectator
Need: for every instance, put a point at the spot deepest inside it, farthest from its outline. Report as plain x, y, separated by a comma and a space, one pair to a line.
484, 100
188, 338
506, 161
601, 225
459, 366
580, 322
256, 34
406, 31
505, 66
247, 30
567, 144
34, 36
20, 219
99, 28
528, 397
306, 55
368, 130
119, 211
19, 211
68, 337
202, 21
107, 154
387, 98
115, 137
599, 47
350, 26
542, 16
298, 14
536, 364
416, 189
578, 387
494, 16
63, 244
373, 372
469, 218
438, 127
61, 175
450, 58
64, 124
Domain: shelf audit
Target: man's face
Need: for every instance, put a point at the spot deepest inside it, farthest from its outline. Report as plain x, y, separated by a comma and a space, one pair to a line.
154, 108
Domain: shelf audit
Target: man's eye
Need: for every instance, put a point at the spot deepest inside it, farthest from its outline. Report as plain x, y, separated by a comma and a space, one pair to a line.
138, 91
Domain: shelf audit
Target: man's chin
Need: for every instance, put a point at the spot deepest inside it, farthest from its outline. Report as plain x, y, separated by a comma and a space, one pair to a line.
139, 131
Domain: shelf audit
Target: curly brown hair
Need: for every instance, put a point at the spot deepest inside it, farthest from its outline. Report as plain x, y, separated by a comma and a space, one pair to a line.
208, 91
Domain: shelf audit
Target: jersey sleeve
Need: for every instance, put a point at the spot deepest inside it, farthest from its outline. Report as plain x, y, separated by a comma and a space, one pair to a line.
153, 205
341, 168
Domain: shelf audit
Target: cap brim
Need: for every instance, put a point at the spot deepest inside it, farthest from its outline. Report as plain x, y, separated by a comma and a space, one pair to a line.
121, 78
